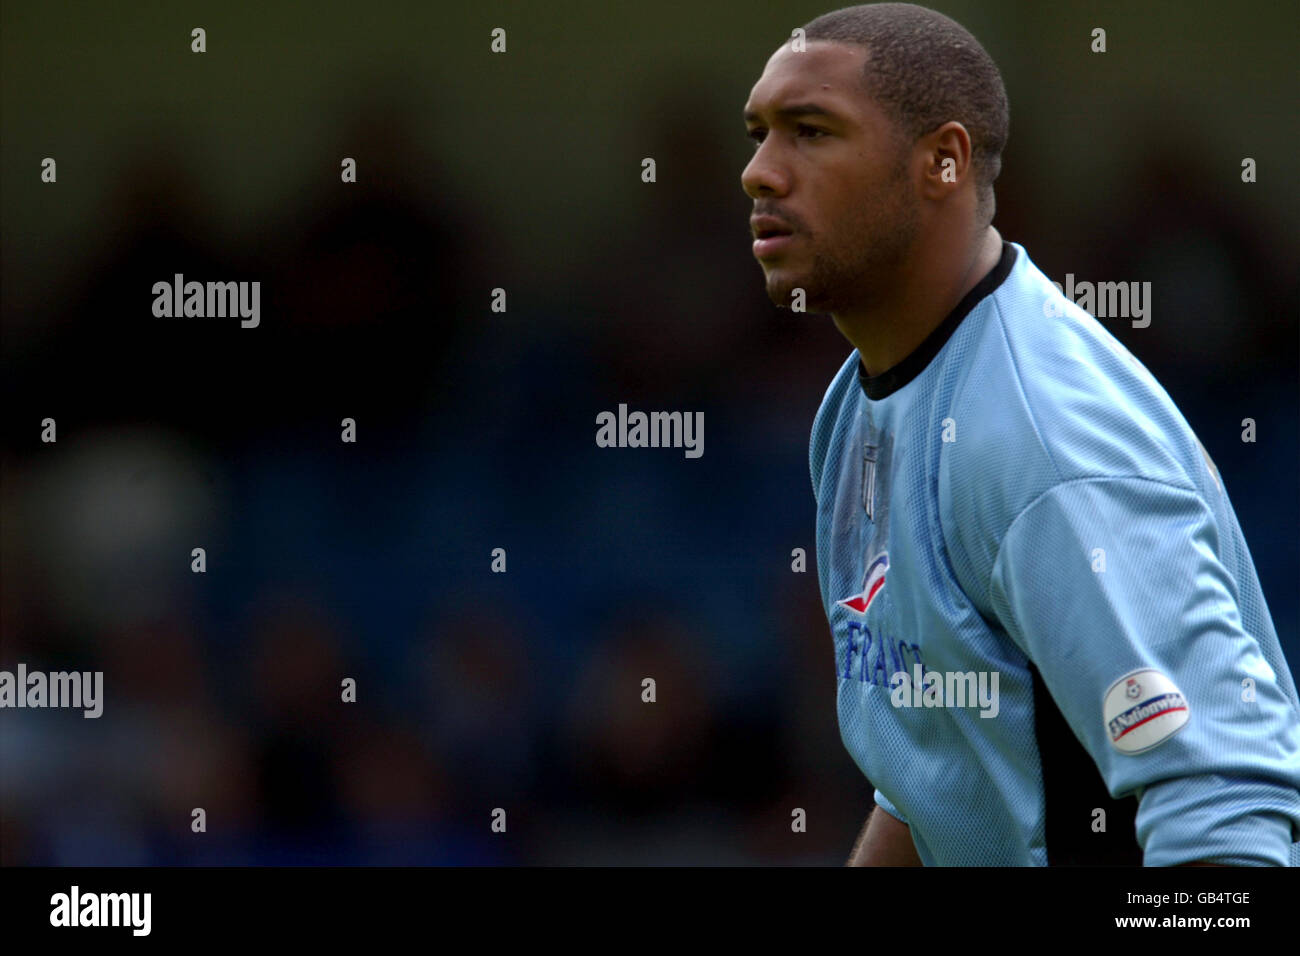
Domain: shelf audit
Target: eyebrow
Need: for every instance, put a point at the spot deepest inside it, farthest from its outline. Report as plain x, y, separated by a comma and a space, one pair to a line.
793, 112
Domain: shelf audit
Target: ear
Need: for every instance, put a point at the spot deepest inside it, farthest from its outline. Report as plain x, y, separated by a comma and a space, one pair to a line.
946, 153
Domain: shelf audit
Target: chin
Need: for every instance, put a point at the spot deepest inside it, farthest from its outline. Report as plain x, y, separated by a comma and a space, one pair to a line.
780, 292
780, 287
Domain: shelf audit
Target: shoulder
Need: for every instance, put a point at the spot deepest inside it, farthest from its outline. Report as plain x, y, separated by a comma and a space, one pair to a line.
1046, 396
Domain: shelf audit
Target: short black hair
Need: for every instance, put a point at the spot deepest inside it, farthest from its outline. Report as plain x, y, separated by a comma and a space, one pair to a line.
924, 70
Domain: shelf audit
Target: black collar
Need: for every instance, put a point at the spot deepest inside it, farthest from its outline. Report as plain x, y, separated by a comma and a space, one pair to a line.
876, 387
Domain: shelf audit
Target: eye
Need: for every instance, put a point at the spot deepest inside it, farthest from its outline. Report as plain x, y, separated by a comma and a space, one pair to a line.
758, 134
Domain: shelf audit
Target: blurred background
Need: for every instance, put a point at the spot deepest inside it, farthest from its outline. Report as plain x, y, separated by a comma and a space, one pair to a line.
476, 428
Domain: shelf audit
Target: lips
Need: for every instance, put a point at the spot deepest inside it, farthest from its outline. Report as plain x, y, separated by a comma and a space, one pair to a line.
765, 227
771, 235
773, 246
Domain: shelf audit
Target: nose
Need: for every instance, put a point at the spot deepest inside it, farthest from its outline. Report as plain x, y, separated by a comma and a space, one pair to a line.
765, 175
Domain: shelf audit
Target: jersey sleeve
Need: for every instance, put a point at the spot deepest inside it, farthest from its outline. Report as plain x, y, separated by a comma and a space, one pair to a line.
1113, 587
883, 802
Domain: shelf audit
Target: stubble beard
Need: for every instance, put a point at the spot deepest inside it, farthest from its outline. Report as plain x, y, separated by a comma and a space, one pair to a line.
853, 272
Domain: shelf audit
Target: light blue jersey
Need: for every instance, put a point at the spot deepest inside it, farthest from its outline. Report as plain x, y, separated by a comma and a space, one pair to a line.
1051, 645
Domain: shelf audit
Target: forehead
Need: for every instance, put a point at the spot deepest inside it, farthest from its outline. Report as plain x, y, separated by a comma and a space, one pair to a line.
829, 74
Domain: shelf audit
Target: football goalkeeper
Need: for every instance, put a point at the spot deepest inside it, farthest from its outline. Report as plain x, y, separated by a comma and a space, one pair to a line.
1003, 490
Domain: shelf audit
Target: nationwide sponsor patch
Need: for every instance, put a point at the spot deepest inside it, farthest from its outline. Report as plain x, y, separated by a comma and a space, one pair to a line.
1142, 710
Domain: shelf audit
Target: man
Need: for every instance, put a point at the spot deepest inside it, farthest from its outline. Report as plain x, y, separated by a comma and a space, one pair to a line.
1051, 645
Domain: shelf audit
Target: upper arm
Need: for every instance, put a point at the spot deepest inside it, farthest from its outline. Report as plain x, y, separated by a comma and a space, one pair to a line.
1113, 587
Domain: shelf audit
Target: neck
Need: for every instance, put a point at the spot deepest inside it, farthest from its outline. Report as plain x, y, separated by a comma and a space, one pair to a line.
926, 289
